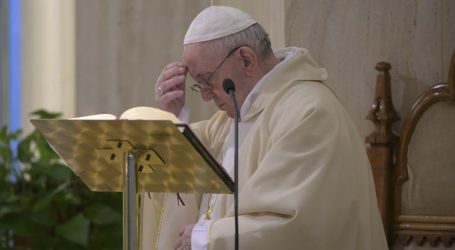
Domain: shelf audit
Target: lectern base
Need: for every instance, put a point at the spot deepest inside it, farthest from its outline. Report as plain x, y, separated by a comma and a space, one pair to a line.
130, 204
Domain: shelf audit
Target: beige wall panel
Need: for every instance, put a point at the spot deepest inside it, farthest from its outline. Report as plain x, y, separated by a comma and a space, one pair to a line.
123, 45
269, 13
350, 36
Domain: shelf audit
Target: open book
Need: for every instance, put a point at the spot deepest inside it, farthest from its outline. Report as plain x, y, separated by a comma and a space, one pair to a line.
170, 157
135, 113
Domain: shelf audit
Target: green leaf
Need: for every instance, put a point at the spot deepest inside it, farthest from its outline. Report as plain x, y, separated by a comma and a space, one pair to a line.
43, 203
45, 151
101, 214
6, 135
24, 151
106, 237
43, 114
20, 224
6, 155
46, 217
58, 172
5, 210
75, 230
53, 208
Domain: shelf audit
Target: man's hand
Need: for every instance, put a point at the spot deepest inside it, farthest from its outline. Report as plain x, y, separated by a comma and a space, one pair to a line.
170, 88
184, 240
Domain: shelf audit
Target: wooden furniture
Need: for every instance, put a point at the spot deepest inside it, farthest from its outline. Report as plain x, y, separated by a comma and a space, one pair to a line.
389, 156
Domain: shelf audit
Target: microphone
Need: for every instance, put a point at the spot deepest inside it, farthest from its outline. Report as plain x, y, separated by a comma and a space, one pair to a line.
229, 87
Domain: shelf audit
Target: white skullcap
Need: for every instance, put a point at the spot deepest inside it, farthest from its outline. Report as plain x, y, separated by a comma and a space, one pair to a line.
215, 22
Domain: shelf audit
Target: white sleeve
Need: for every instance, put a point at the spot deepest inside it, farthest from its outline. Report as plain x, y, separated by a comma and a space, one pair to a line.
184, 114
200, 235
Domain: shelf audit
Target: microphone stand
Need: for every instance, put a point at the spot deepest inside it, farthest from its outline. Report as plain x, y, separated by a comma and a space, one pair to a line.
236, 169
229, 87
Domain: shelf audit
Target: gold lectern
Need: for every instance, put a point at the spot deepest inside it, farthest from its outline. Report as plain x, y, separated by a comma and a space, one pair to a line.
132, 156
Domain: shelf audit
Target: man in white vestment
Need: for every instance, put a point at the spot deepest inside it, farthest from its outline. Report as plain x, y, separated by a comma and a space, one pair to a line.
304, 177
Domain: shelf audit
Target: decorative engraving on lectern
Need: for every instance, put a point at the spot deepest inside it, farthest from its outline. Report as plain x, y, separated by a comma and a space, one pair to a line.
146, 158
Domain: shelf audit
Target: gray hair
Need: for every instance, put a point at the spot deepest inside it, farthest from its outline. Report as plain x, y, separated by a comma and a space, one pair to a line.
254, 37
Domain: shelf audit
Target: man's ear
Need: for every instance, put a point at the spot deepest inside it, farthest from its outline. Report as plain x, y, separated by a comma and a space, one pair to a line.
249, 59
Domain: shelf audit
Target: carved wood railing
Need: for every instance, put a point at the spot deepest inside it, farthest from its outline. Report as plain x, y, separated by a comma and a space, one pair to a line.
381, 148
382, 142
422, 228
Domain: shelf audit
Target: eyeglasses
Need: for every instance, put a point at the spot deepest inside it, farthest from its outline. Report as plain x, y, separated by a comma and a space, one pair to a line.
205, 84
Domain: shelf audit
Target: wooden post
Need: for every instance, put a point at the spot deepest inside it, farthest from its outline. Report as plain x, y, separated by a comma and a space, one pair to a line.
382, 142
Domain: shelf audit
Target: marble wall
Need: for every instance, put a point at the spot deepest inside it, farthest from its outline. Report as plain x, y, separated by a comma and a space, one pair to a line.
349, 37
123, 45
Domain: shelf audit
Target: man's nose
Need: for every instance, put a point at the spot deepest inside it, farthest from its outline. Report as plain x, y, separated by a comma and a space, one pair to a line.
206, 94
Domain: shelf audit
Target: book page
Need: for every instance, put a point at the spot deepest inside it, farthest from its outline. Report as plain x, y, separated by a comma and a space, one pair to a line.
148, 113
95, 117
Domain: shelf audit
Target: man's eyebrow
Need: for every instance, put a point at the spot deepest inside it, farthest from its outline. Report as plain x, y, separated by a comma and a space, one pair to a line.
191, 73
201, 76
198, 76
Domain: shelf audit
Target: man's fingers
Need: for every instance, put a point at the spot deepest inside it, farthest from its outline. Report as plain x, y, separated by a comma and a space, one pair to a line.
173, 71
173, 64
177, 82
170, 87
171, 101
171, 96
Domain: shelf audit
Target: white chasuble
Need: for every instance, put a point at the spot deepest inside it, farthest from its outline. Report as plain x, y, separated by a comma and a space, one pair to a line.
305, 179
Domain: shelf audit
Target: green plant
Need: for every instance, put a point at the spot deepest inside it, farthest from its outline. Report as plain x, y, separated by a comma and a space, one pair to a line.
43, 205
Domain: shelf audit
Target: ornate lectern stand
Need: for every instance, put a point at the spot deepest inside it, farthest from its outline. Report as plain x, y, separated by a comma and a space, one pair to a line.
133, 156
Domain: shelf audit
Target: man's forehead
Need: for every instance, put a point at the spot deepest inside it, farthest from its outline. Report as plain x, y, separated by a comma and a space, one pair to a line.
198, 59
